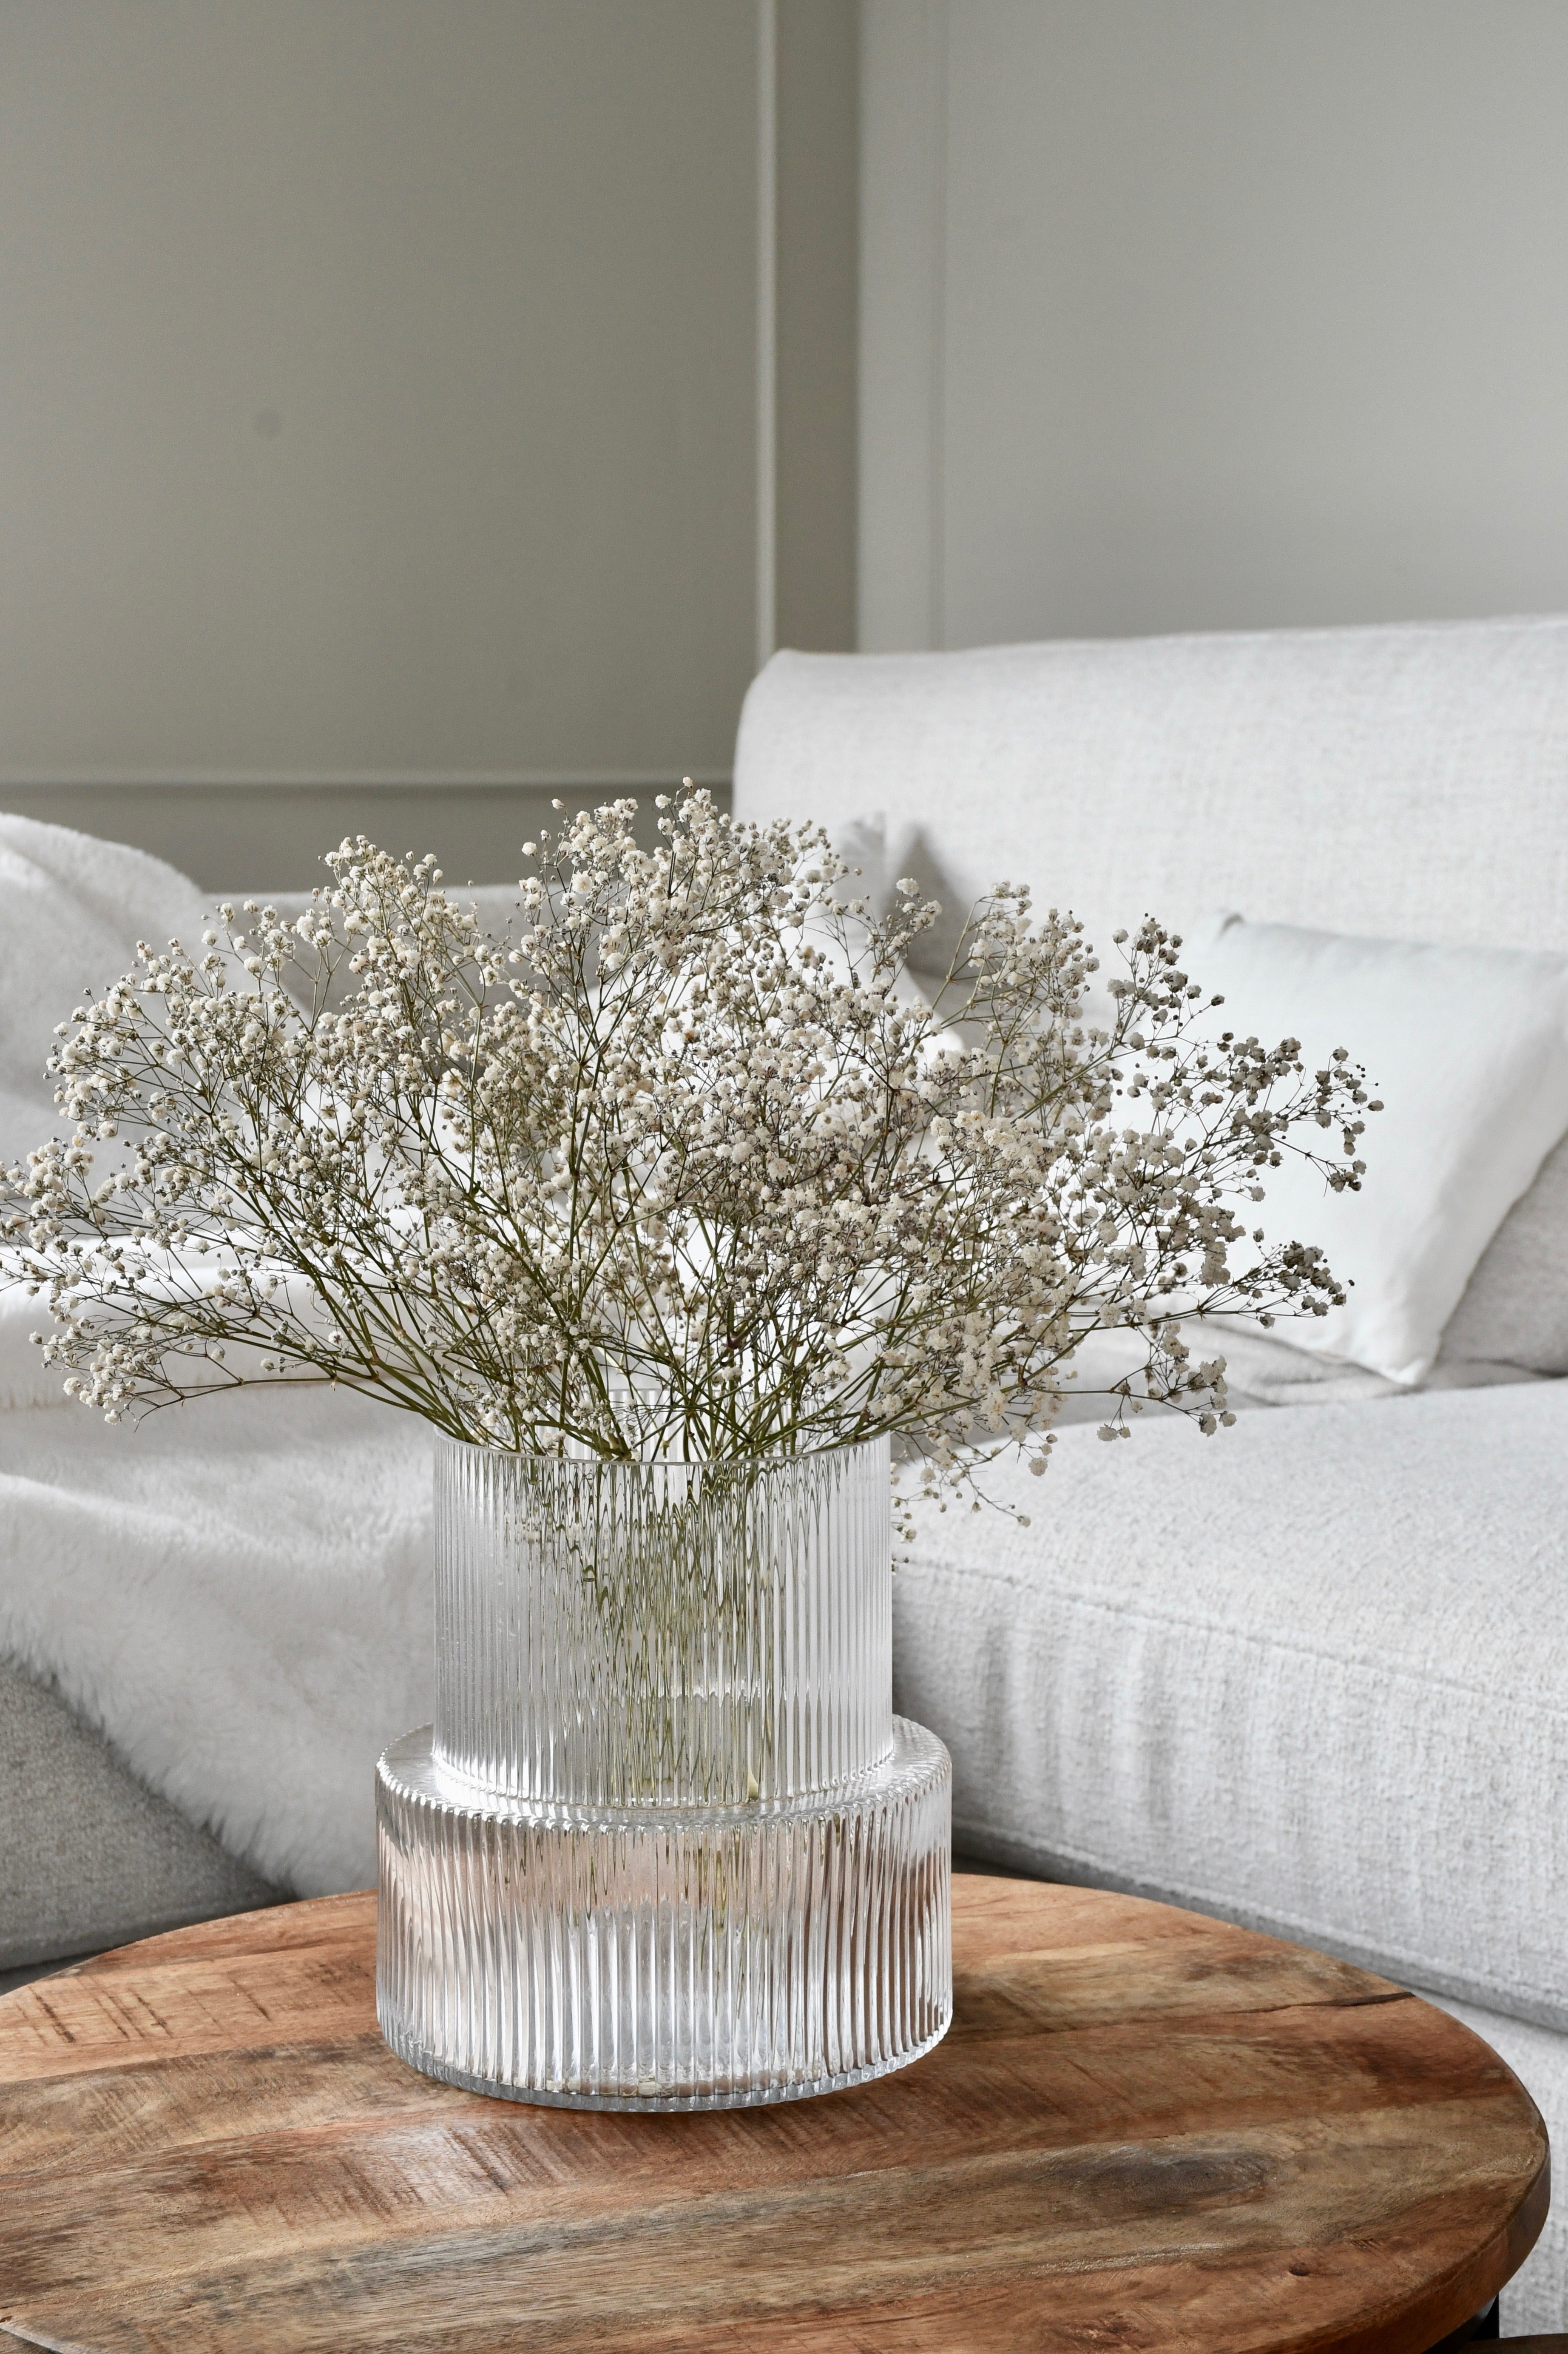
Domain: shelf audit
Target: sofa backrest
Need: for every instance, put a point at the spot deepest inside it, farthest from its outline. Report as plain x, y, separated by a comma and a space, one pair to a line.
1410, 781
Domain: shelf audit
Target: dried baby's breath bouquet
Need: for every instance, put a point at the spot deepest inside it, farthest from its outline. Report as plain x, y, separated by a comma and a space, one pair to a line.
686, 1166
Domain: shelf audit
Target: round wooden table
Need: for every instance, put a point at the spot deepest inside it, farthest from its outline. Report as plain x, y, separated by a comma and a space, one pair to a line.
1146, 2130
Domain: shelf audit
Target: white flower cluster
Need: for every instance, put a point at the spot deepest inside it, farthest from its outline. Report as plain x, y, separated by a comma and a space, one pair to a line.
683, 1166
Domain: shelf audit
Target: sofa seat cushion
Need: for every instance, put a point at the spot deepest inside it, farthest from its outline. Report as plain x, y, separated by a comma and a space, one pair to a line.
1311, 1674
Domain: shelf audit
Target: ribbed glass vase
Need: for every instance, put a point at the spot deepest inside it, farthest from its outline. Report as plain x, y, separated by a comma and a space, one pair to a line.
666, 1845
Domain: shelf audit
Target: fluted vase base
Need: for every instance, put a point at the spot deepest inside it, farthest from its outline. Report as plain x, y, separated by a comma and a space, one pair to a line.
664, 1957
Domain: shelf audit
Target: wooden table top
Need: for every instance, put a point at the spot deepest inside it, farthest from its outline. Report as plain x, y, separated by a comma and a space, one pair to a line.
1146, 2130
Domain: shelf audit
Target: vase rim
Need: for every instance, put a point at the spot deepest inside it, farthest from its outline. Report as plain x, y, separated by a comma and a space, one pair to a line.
772, 1462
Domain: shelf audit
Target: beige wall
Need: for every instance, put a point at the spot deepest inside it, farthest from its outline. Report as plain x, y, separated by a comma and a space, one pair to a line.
381, 403
1197, 313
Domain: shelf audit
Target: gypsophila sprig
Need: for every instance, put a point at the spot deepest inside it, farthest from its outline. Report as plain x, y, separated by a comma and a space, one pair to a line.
683, 1166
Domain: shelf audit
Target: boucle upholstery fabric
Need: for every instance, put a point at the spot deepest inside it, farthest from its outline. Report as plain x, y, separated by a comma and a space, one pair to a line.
1261, 1369
1407, 783
1312, 1672
88, 1856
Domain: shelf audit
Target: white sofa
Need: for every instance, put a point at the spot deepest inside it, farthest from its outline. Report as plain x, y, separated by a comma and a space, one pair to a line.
1311, 1675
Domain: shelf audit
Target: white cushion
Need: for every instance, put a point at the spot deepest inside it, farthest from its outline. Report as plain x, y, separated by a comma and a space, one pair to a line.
1427, 1015
1467, 1048
1312, 1672
1408, 780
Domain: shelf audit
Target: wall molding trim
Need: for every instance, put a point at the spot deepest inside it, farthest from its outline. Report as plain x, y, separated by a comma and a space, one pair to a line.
269, 833
808, 443
766, 329
360, 779
906, 50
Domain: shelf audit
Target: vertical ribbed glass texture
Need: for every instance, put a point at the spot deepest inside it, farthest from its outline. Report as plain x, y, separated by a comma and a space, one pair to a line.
666, 1845
665, 1634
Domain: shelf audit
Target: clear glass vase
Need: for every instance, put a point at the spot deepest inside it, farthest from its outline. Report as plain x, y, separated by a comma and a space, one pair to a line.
666, 1845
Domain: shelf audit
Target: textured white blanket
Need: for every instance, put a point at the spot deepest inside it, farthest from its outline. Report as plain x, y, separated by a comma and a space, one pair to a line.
71, 911
238, 1593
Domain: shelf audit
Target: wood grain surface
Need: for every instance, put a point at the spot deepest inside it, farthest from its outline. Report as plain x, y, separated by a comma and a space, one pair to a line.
1145, 2131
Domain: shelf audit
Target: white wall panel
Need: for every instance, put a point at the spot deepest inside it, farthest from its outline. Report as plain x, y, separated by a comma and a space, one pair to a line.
1198, 313
379, 388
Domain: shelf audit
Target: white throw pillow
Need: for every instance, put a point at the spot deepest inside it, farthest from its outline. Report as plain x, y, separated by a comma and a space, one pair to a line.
1468, 1048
